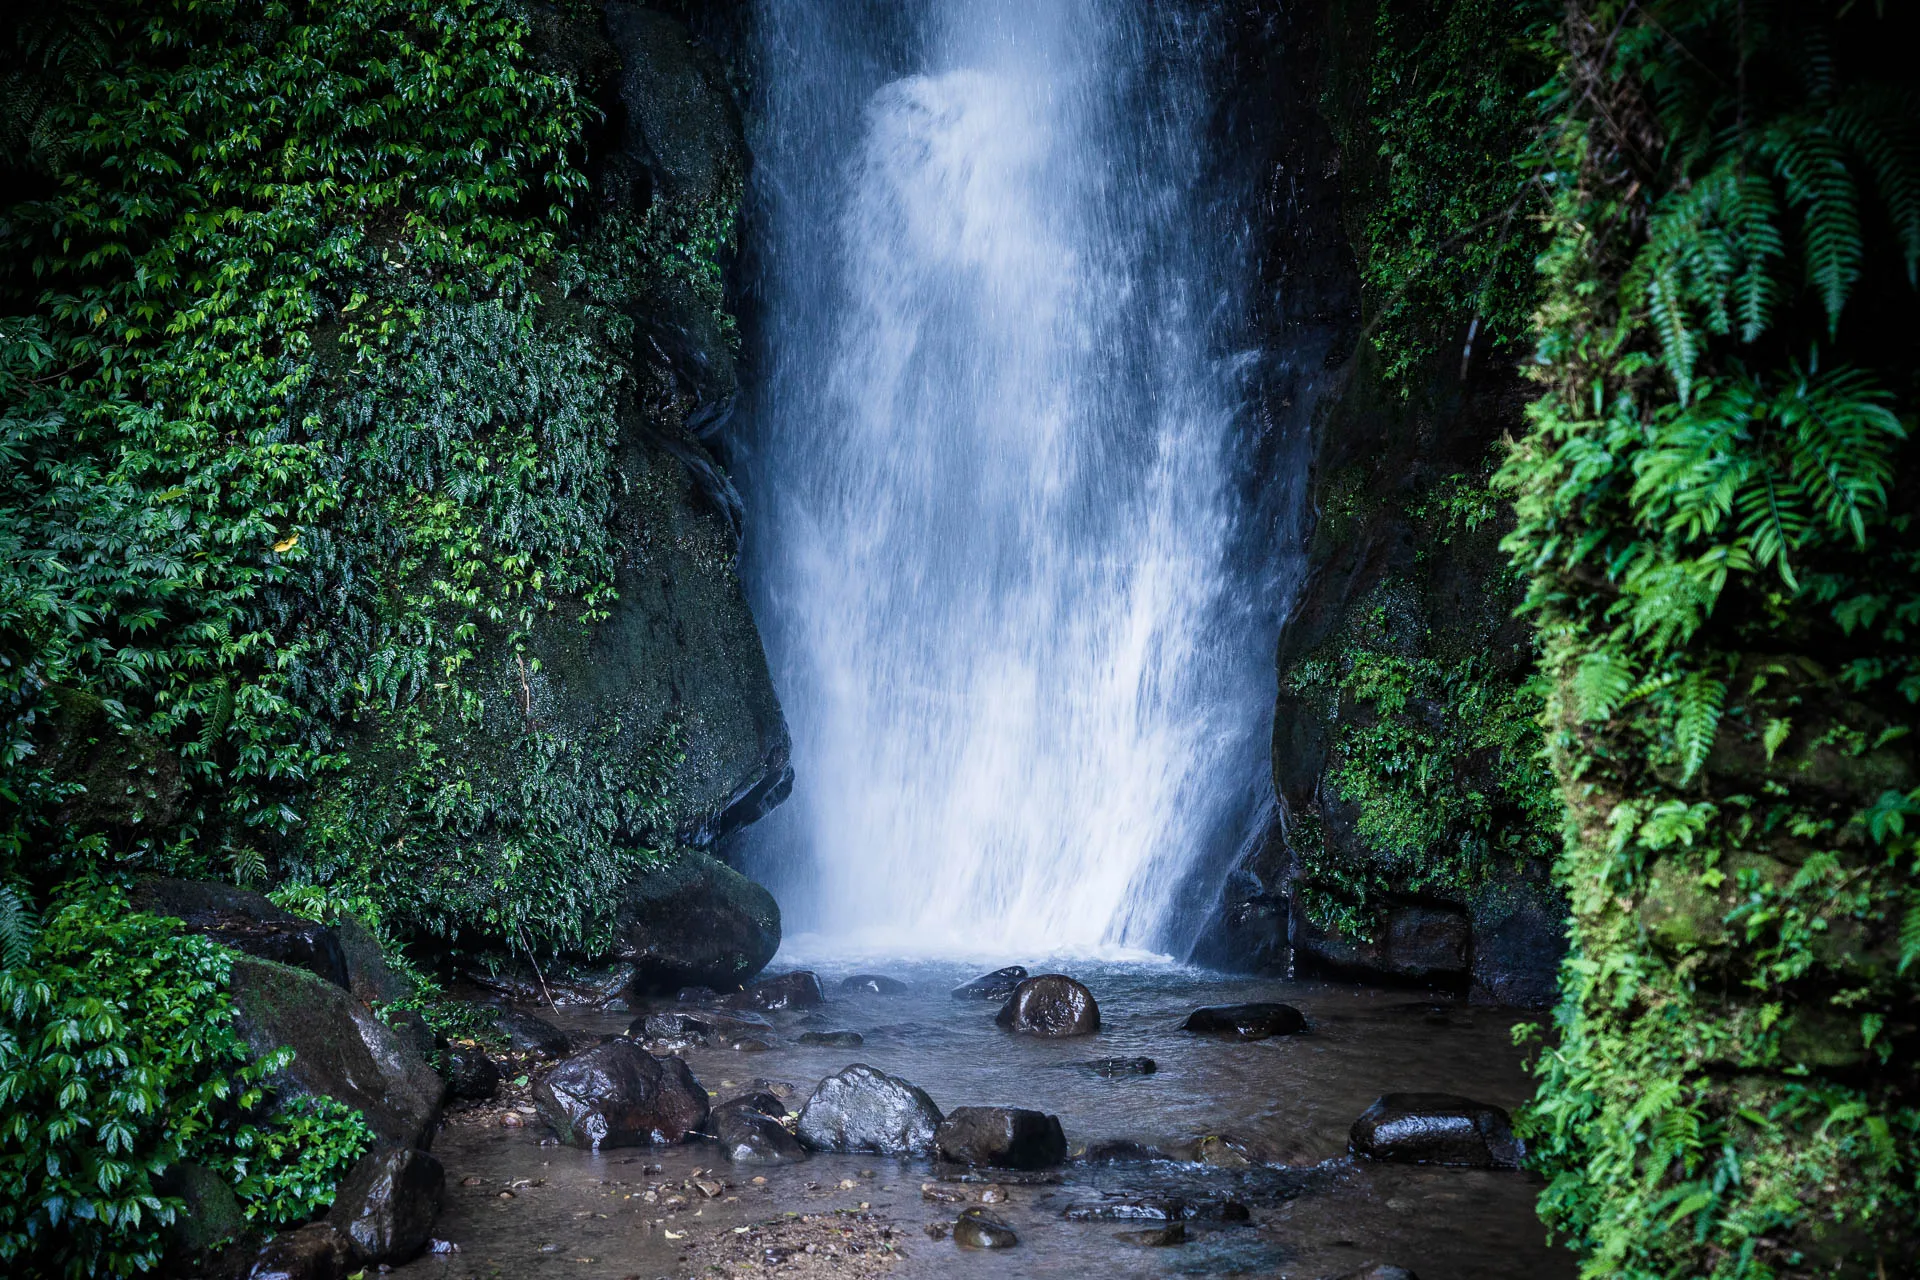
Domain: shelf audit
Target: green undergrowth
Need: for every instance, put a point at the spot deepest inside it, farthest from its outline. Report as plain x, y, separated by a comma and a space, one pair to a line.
1435, 759
1448, 229
118, 1062
312, 382
1716, 514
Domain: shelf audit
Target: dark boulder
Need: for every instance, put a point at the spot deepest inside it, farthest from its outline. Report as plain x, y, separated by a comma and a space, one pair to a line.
210, 1214
1112, 1068
1436, 1128
471, 1073
979, 1229
1246, 1021
1119, 1151
833, 1039
749, 1131
316, 1251
695, 995
797, 990
1001, 1137
696, 923
385, 1208
341, 1050
368, 976
411, 1026
1376, 1271
703, 1026
1051, 1005
862, 1109
997, 985
530, 1033
616, 1094
1423, 943
1155, 1237
247, 922
878, 984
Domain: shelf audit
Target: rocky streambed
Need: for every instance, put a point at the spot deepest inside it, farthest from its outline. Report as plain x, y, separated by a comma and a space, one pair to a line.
1142, 1148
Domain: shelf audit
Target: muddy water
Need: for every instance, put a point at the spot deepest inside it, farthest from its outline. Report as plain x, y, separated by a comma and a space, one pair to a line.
1314, 1210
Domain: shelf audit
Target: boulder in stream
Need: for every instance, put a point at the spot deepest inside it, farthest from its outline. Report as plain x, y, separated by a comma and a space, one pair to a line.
385, 1208
1119, 1151
878, 984
1246, 1021
978, 1229
471, 1073
316, 1251
749, 1131
1051, 1005
531, 1033
862, 1109
797, 990
997, 985
1001, 1137
1436, 1128
616, 1094
832, 1039
701, 1026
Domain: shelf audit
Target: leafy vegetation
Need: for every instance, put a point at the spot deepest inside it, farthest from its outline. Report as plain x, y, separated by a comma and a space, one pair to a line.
1715, 511
118, 1061
1449, 235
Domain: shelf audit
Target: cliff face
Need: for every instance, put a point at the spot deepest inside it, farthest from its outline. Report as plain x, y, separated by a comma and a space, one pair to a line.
1413, 827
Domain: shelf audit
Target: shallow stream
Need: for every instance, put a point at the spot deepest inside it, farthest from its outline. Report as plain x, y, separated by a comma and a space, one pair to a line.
1313, 1210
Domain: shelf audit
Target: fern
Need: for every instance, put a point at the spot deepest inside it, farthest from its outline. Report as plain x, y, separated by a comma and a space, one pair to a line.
1811, 162
1701, 702
18, 925
1879, 126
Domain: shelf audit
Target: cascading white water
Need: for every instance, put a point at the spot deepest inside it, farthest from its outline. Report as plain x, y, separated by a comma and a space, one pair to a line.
994, 473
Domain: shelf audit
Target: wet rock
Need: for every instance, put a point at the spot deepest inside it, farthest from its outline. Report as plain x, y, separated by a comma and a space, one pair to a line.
211, 1214
1112, 1068
978, 1229
248, 922
1420, 942
1436, 1128
1519, 939
997, 985
1001, 1137
530, 1033
836, 1039
471, 1073
385, 1208
797, 990
749, 1131
862, 1109
618, 1095
1246, 1021
1218, 1151
1376, 1271
1121, 1206
1155, 1237
341, 1050
750, 1044
784, 1090
700, 1027
696, 923
412, 1029
1051, 1005
368, 977
1119, 1151
878, 984
696, 995
316, 1251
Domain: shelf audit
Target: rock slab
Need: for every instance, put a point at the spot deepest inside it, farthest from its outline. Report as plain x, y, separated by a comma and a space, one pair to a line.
1246, 1021
862, 1109
616, 1094
997, 985
1436, 1128
385, 1208
1002, 1138
1050, 1005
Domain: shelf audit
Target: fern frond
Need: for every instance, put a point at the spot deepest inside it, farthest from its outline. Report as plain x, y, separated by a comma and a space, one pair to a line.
1700, 702
18, 924
1811, 162
1841, 448
1601, 683
1879, 127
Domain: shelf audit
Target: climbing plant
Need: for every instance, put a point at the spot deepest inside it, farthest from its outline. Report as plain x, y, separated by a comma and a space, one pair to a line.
1715, 506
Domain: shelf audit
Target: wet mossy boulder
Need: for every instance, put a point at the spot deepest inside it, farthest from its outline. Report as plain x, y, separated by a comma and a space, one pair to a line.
616, 1094
386, 1206
341, 1050
121, 778
696, 922
247, 922
1436, 1128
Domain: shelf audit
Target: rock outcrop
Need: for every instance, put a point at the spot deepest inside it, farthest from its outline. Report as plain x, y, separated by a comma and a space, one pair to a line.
861, 1109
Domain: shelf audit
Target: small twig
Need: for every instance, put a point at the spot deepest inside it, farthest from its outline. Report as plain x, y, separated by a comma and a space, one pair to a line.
521, 929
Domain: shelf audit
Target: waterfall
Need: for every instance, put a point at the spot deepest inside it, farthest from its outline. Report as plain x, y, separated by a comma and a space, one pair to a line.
1020, 607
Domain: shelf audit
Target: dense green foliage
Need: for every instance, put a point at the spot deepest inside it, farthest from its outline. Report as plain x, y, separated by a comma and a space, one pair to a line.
1434, 761
1449, 232
1716, 511
310, 410
119, 1060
